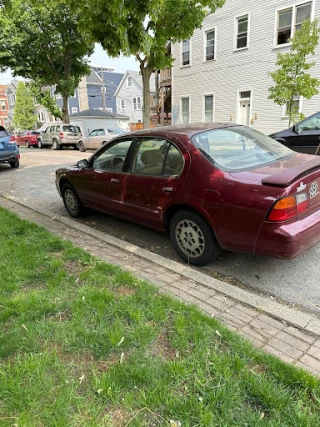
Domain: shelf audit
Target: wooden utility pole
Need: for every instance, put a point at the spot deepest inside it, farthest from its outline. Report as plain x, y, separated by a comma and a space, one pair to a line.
103, 91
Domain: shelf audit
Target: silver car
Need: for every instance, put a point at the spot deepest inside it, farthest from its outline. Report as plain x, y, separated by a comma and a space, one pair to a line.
98, 137
59, 135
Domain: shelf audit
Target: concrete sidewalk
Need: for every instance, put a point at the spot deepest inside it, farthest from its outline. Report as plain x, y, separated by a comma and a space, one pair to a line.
292, 335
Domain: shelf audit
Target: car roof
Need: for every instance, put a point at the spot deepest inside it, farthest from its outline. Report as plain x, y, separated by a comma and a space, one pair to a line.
189, 129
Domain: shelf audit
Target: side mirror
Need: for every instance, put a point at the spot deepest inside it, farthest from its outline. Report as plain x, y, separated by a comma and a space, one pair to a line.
83, 164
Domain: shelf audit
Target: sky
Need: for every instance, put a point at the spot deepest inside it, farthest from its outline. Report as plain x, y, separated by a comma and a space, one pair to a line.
99, 57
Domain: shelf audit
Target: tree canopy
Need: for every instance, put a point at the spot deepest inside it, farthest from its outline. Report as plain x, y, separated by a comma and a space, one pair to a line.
143, 29
40, 40
291, 78
24, 114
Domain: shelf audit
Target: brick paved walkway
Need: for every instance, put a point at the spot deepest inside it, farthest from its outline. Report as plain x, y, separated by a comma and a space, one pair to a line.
289, 343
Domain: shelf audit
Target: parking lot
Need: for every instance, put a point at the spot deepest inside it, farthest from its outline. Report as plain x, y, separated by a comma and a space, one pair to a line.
295, 281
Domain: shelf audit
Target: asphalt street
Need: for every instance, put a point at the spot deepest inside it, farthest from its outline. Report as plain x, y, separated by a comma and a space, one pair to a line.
296, 282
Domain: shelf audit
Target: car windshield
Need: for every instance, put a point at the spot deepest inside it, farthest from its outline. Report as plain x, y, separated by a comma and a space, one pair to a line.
116, 131
239, 148
74, 129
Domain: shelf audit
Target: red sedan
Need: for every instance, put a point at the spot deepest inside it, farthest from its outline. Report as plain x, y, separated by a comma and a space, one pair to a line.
211, 186
29, 138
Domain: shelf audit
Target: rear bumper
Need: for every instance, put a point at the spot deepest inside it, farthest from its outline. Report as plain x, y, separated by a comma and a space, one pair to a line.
289, 240
9, 156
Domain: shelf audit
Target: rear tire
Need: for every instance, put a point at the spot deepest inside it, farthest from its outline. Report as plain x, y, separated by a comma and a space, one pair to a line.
56, 145
81, 146
15, 164
72, 202
193, 238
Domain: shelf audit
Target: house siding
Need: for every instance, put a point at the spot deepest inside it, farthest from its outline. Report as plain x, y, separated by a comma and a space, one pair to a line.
234, 71
127, 94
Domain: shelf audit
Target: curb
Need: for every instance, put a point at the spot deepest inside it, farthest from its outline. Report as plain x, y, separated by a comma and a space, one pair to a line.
307, 322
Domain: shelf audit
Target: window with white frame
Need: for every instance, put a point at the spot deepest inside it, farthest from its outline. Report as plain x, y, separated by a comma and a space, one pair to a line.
122, 106
74, 110
186, 52
208, 108
129, 81
58, 96
12, 99
210, 45
185, 109
3, 105
41, 116
296, 106
289, 20
136, 102
109, 109
242, 29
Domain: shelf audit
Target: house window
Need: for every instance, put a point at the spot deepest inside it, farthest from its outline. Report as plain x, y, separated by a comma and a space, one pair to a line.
12, 99
136, 103
74, 110
109, 110
242, 32
2, 105
129, 81
58, 96
296, 106
41, 116
122, 107
290, 20
185, 109
208, 108
210, 45
186, 52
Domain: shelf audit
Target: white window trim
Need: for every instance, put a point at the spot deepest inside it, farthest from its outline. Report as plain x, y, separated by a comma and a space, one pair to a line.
12, 99
235, 49
204, 106
205, 45
284, 108
136, 98
238, 105
276, 20
128, 81
182, 97
190, 54
74, 110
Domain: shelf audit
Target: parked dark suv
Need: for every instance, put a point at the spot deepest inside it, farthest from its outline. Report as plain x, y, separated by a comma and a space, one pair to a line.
303, 137
9, 151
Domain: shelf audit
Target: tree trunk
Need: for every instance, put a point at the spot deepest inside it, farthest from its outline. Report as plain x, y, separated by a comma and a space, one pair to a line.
146, 74
65, 112
157, 95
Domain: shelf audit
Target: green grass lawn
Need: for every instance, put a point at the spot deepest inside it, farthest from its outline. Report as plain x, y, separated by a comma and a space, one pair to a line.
83, 343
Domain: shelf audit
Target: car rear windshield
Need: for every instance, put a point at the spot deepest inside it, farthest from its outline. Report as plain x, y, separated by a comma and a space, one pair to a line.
3, 133
74, 129
239, 148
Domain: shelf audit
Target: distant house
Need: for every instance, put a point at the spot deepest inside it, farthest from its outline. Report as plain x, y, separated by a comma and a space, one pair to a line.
4, 107
92, 119
129, 95
44, 116
89, 94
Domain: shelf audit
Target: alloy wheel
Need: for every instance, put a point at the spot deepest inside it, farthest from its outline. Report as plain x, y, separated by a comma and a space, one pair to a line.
71, 201
190, 238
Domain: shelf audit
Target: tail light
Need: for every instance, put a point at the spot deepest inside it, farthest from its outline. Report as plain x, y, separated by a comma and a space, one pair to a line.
12, 138
289, 207
61, 134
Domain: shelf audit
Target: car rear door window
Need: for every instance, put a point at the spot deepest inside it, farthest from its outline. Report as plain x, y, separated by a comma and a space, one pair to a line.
52, 129
58, 128
112, 157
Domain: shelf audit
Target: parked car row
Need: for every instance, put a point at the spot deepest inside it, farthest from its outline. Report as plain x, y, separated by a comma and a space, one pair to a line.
210, 186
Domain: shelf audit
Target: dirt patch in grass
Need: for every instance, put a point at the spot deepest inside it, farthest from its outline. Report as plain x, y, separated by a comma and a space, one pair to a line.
162, 347
124, 291
61, 316
257, 369
118, 416
73, 267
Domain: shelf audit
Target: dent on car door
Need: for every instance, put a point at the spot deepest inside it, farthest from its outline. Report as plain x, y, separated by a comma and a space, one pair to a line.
156, 173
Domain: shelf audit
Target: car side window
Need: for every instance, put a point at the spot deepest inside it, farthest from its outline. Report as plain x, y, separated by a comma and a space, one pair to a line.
93, 133
174, 162
310, 124
58, 128
100, 132
112, 158
52, 129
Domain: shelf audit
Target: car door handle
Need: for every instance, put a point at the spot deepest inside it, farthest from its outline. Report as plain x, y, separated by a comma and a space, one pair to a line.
115, 181
168, 189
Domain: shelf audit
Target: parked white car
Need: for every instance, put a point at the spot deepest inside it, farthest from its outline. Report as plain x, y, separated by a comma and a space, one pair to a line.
97, 138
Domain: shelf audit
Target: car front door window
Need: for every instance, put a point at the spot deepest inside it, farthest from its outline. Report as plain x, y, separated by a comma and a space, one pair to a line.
112, 158
311, 124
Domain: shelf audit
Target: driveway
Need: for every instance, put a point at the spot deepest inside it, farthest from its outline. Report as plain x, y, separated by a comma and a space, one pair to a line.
295, 281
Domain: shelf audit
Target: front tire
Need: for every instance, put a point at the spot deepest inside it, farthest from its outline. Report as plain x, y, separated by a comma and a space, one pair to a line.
27, 144
56, 145
193, 238
15, 164
40, 145
81, 146
72, 202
